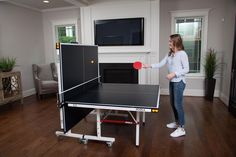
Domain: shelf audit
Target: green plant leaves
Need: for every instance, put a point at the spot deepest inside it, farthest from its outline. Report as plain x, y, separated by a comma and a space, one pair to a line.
7, 63
211, 64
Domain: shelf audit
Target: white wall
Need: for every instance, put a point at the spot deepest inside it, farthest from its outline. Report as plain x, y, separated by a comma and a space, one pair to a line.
21, 36
52, 18
125, 9
216, 31
227, 40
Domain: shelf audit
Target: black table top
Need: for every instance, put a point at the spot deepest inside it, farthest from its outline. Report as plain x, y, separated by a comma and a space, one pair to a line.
119, 95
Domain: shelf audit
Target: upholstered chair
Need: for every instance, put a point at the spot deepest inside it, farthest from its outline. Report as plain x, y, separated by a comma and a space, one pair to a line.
45, 79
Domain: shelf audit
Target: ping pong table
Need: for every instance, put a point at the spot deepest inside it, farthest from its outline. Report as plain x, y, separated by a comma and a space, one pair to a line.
80, 92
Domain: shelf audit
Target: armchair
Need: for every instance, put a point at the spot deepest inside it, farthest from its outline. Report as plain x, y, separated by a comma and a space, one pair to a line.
45, 79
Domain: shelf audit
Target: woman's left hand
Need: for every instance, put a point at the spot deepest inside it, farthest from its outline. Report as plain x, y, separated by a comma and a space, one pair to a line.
170, 76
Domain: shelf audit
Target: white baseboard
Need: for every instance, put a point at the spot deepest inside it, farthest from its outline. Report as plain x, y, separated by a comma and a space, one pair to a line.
191, 92
164, 91
29, 92
224, 98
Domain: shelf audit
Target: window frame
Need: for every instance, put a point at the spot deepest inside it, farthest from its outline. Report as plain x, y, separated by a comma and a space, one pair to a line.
67, 22
203, 13
56, 31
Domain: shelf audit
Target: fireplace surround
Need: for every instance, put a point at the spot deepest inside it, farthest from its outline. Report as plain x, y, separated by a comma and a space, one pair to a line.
118, 73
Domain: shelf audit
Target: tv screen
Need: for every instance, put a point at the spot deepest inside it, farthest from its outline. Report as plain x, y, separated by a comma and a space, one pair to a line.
119, 32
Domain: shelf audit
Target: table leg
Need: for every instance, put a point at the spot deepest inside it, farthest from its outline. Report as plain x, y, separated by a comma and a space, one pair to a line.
98, 122
137, 128
143, 118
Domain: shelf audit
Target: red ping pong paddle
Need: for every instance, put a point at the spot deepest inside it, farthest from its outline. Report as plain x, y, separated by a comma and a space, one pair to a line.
137, 65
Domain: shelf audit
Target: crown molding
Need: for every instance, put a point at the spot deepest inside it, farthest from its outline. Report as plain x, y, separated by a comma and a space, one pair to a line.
22, 5
76, 4
59, 9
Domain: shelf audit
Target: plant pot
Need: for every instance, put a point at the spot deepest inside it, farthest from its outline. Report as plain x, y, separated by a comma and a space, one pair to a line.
6, 70
210, 88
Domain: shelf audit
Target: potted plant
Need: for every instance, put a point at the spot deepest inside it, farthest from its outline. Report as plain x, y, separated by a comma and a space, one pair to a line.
7, 64
210, 67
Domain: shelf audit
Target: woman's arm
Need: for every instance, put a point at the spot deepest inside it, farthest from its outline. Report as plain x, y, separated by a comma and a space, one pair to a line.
160, 64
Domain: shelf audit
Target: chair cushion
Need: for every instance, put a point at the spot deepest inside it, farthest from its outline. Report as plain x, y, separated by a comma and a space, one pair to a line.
45, 72
50, 84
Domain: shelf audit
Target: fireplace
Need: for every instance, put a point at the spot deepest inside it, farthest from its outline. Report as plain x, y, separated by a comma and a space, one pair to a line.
118, 73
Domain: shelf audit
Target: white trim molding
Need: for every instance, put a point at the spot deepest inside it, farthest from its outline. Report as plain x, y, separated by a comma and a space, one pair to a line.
63, 23
59, 9
194, 13
22, 5
126, 58
224, 98
29, 92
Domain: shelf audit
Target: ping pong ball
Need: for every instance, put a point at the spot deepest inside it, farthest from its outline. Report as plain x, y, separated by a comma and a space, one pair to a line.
92, 61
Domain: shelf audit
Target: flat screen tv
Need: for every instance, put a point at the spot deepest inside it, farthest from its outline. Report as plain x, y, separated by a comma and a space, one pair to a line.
119, 32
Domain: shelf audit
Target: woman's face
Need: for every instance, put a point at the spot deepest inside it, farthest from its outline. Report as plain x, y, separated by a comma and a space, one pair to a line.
171, 45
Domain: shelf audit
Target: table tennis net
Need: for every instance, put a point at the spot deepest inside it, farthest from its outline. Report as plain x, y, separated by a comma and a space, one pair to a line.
82, 88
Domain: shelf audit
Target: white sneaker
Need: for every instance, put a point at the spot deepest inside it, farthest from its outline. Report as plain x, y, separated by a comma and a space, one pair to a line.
172, 125
178, 132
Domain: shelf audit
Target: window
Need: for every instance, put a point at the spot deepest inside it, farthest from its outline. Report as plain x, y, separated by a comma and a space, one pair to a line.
65, 34
192, 26
190, 29
65, 31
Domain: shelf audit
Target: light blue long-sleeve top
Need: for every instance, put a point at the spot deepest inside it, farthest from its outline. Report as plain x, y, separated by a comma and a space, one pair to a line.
177, 63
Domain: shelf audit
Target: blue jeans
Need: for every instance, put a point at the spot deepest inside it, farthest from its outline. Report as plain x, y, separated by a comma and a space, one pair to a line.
176, 90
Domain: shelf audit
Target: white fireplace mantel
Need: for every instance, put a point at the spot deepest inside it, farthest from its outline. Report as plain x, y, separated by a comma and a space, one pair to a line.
126, 58
123, 49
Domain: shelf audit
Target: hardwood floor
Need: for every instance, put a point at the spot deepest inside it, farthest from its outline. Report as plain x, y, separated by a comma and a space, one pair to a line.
28, 130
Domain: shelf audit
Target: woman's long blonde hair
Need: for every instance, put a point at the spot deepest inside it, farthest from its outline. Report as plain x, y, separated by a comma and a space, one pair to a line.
177, 42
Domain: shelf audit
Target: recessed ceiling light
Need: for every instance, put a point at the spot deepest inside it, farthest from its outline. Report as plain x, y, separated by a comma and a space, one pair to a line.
46, 1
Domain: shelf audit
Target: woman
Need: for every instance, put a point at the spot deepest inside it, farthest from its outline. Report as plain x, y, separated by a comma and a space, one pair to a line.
178, 66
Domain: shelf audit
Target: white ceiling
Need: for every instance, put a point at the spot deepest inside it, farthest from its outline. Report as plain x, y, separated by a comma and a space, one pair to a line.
54, 4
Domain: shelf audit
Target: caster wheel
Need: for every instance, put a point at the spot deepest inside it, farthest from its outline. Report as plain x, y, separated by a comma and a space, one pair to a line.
109, 144
84, 141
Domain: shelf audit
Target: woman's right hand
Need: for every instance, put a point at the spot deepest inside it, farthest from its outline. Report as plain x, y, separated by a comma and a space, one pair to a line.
146, 66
